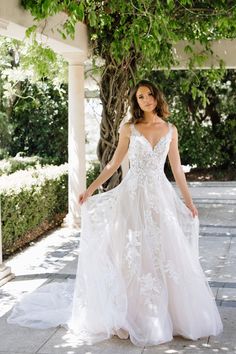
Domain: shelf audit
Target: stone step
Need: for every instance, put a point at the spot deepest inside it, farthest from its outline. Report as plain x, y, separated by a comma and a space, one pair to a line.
5, 274
217, 230
215, 201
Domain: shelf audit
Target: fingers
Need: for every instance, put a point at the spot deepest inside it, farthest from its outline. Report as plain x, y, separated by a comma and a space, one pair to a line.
82, 198
194, 212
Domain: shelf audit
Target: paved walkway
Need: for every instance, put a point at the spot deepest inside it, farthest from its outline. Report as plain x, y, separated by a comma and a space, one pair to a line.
55, 257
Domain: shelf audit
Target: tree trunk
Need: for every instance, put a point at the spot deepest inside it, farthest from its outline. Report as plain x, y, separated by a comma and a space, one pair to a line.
114, 89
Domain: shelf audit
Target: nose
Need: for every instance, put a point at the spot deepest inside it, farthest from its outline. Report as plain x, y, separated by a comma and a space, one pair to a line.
147, 99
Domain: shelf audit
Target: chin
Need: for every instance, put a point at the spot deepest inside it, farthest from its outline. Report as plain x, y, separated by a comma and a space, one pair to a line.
149, 110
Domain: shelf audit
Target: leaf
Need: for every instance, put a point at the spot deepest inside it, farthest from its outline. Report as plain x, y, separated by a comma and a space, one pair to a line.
170, 3
30, 30
188, 49
80, 11
92, 18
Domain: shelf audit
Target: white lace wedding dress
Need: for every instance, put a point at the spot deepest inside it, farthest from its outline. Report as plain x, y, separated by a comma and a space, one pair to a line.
138, 269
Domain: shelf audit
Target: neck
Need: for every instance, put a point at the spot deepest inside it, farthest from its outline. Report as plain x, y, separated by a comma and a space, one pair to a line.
150, 117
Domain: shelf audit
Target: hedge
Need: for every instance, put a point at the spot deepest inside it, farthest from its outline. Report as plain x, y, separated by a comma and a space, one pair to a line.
32, 202
10, 165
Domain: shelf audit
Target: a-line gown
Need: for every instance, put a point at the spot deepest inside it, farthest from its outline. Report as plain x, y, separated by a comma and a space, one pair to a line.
138, 268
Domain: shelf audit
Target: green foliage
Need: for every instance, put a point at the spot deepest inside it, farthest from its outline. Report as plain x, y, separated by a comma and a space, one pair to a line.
5, 135
147, 28
43, 62
32, 198
24, 209
13, 164
198, 144
33, 112
92, 173
28, 61
207, 128
40, 123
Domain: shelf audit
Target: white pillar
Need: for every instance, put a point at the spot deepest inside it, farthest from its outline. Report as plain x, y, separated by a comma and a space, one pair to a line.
76, 143
5, 272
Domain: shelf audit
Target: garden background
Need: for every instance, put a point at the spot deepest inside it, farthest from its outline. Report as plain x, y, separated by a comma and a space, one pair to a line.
34, 119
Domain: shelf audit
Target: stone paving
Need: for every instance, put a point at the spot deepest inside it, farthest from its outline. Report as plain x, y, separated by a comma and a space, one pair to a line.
54, 258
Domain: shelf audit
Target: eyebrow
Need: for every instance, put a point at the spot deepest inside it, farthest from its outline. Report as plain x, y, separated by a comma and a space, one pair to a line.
141, 94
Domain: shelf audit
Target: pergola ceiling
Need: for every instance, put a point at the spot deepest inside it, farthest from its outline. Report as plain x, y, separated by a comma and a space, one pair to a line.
14, 20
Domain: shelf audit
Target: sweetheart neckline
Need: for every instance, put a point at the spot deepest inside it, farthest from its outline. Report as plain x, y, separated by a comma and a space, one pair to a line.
157, 143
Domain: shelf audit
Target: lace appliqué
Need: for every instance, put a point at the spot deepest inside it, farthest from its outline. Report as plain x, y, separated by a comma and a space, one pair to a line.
154, 235
133, 253
169, 269
153, 232
149, 288
147, 162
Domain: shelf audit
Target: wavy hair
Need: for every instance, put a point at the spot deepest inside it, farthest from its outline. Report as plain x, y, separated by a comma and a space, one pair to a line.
137, 114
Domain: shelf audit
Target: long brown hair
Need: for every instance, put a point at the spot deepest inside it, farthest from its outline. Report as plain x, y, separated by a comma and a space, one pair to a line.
137, 114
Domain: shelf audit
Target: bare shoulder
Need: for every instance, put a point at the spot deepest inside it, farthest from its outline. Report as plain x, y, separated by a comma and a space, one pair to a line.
125, 129
174, 129
173, 126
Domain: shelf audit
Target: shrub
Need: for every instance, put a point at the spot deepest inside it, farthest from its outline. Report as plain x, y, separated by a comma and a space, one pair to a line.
5, 135
197, 142
92, 173
202, 105
32, 202
12, 164
40, 123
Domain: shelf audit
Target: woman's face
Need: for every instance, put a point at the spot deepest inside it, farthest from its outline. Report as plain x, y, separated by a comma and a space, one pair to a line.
145, 99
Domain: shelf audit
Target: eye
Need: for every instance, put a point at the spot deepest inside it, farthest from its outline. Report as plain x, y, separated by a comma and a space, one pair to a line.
140, 97
150, 94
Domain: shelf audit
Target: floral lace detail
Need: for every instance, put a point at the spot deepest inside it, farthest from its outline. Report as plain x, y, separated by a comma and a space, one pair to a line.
169, 268
147, 162
168, 216
153, 232
149, 288
112, 287
133, 184
133, 253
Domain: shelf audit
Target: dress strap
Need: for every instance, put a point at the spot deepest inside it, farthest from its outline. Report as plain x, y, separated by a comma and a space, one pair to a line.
133, 131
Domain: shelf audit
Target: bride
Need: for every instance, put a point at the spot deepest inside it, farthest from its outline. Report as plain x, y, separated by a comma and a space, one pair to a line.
138, 272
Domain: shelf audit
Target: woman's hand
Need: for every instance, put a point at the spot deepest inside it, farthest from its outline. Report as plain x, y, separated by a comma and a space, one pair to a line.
84, 196
193, 209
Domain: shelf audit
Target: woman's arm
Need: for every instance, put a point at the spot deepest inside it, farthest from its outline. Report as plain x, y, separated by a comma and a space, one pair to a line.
178, 172
112, 166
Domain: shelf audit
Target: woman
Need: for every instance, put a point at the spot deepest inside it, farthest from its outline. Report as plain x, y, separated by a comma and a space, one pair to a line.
138, 272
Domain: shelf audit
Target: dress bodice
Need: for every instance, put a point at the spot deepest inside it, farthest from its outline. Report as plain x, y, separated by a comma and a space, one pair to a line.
146, 160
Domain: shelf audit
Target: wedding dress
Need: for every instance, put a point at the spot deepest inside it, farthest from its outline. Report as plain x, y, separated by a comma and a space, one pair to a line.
138, 270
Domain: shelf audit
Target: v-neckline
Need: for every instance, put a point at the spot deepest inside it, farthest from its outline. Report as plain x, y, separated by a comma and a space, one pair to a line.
157, 143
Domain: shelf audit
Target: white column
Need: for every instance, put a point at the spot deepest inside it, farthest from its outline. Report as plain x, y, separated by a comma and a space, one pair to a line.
76, 143
5, 272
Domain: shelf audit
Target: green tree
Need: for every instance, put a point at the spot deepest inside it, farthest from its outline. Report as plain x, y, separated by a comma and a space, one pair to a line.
207, 128
132, 38
33, 103
40, 123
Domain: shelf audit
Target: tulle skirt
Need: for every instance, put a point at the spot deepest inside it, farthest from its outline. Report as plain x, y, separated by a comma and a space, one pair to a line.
138, 272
